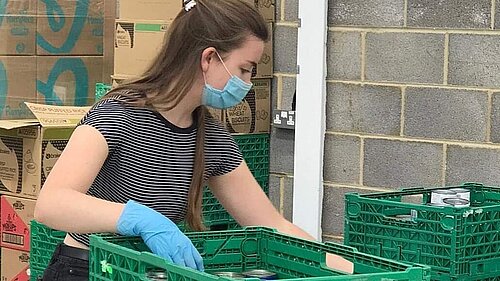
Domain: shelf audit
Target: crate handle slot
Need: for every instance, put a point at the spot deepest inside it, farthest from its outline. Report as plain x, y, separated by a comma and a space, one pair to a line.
485, 266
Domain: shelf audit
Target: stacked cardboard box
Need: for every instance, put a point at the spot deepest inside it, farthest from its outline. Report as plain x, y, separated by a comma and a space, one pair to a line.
140, 30
28, 151
50, 52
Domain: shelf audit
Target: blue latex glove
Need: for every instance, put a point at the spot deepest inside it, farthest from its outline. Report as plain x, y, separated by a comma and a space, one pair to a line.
160, 234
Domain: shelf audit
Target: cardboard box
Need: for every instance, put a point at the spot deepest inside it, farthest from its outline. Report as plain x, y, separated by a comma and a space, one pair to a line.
164, 10
68, 80
217, 114
137, 43
109, 41
265, 7
17, 85
15, 265
253, 114
78, 30
17, 33
264, 68
30, 148
18, 7
16, 214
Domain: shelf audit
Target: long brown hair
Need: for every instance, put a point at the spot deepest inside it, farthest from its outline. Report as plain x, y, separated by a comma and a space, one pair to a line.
222, 24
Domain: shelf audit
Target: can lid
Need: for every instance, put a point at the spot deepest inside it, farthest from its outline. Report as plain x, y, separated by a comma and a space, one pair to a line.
259, 272
456, 201
445, 191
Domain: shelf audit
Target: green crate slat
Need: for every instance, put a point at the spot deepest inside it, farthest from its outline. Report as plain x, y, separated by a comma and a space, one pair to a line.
458, 243
43, 243
101, 90
255, 150
245, 249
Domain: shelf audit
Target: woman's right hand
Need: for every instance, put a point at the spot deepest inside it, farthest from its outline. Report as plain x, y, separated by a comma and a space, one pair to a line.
160, 234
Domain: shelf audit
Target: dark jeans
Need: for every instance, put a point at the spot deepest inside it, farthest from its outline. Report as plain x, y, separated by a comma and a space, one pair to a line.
68, 263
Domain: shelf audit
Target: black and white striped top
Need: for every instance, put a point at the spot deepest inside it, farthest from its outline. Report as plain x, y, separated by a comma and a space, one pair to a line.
151, 160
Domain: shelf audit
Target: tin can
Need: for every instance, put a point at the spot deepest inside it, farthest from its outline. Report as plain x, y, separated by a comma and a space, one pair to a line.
462, 193
233, 275
156, 275
457, 202
261, 274
437, 196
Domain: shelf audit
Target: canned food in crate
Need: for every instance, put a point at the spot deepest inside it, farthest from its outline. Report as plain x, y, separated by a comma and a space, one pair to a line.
156, 275
437, 196
233, 275
463, 193
261, 274
457, 202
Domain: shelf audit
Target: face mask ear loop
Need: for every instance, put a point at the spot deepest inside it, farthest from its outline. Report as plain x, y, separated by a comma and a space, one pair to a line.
231, 75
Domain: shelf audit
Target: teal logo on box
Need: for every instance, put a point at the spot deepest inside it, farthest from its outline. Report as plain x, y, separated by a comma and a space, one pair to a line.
77, 67
3, 88
57, 21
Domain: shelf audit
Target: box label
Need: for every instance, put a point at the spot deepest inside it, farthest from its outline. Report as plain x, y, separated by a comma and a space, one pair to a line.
9, 168
16, 213
50, 156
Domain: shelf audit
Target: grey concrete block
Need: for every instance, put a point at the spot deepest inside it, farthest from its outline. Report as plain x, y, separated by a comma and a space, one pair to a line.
341, 159
277, 10
446, 114
275, 93
495, 118
449, 13
472, 165
367, 13
333, 240
289, 86
405, 57
288, 199
333, 217
291, 10
282, 151
497, 12
285, 49
366, 109
474, 60
274, 190
344, 55
396, 164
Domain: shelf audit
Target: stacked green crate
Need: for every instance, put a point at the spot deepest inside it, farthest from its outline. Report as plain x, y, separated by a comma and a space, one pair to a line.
255, 150
43, 243
127, 258
458, 243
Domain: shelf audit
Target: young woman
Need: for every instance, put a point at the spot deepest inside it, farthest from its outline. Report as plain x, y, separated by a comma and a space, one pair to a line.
138, 161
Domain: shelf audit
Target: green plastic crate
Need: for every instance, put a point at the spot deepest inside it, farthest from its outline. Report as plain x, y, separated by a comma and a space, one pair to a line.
124, 258
255, 150
458, 243
101, 89
43, 243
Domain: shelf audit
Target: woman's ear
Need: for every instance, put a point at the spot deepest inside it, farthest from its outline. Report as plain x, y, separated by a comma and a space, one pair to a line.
206, 57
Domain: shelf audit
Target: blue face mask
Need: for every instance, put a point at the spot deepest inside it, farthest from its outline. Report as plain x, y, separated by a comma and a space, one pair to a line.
232, 94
